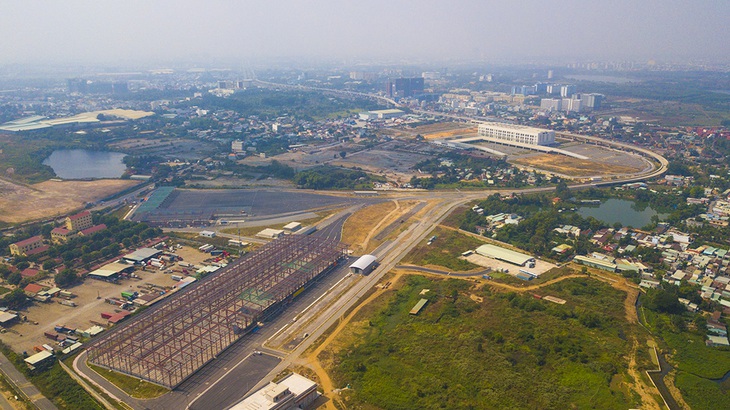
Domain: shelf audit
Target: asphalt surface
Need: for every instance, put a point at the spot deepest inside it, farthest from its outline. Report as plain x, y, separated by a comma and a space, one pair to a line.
16, 378
241, 378
254, 202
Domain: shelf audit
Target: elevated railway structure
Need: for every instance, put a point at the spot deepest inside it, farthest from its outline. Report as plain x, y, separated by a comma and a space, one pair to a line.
169, 342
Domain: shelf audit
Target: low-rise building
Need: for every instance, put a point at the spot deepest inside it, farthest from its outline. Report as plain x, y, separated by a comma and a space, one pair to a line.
28, 246
293, 392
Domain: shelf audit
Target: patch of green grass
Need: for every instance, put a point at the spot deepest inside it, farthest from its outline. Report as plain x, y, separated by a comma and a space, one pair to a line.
689, 351
4, 290
54, 383
444, 251
701, 393
511, 351
133, 386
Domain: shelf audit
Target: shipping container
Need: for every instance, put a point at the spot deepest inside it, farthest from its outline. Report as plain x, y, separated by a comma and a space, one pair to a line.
51, 335
176, 277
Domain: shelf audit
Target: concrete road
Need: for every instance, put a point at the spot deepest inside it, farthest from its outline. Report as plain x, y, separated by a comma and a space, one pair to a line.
18, 380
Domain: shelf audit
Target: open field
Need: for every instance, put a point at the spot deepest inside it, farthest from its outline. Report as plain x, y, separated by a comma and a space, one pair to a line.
450, 133
173, 148
573, 166
19, 203
360, 226
500, 345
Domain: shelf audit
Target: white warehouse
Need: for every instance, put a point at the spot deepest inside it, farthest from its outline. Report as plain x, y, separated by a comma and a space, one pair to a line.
516, 133
364, 265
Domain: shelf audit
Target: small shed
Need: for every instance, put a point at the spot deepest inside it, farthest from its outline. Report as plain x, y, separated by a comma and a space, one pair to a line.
293, 226
364, 265
207, 234
416, 309
39, 360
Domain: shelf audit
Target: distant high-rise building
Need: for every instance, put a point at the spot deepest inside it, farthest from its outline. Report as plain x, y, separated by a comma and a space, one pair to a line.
567, 90
551, 104
550, 74
553, 89
541, 88
405, 87
572, 104
592, 100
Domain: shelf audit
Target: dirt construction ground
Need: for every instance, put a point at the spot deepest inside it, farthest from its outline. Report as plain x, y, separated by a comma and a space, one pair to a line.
90, 296
19, 203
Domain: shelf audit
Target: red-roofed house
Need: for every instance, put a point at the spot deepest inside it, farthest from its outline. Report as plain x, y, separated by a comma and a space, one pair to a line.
79, 222
29, 272
33, 288
23, 247
92, 230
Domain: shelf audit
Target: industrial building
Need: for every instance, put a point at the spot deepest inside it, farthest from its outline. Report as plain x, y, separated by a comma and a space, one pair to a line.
364, 265
170, 341
141, 256
496, 252
293, 392
522, 134
595, 263
110, 272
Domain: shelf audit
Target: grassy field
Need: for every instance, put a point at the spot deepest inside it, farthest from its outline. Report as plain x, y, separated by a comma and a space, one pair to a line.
697, 364
444, 251
131, 385
509, 351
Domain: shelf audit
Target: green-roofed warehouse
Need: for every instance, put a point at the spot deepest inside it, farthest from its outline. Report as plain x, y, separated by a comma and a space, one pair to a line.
496, 252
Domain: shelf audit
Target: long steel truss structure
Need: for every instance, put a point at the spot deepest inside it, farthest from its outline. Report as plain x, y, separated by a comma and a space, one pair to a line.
169, 342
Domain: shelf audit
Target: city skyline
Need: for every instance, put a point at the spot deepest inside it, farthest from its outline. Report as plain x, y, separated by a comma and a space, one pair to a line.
165, 32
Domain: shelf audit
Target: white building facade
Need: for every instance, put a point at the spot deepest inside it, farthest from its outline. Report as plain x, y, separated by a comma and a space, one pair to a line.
516, 133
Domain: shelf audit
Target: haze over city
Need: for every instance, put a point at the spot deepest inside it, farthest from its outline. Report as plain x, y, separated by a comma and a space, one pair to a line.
166, 32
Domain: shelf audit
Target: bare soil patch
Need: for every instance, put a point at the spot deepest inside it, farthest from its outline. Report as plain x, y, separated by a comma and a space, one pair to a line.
573, 166
20, 203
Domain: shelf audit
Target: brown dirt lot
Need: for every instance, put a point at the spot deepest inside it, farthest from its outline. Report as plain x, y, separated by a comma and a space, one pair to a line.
20, 203
451, 133
359, 226
573, 166
23, 336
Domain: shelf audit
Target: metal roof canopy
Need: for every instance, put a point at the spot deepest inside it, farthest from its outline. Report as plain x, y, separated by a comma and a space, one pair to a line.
169, 342
364, 262
506, 255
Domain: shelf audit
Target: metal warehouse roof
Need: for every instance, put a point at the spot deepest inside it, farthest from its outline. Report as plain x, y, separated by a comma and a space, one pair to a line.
141, 254
506, 255
109, 270
364, 262
38, 357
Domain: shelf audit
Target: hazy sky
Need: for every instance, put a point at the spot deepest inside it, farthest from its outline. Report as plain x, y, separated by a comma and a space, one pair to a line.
132, 31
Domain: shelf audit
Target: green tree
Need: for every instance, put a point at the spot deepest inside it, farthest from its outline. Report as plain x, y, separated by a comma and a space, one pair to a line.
14, 278
66, 277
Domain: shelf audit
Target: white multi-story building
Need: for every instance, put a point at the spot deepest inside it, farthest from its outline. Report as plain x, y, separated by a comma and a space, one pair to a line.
516, 133
567, 90
551, 104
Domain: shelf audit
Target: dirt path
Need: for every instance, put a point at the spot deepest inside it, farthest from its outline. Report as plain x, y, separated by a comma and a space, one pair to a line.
312, 360
376, 228
645, 391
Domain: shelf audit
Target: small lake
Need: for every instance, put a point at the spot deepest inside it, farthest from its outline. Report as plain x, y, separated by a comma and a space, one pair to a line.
619, 210
83, 164
602, 78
